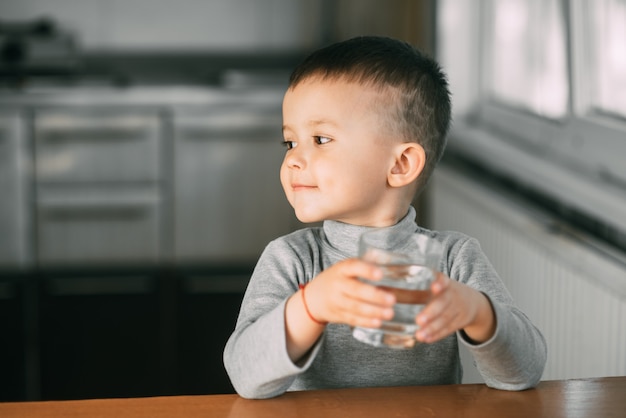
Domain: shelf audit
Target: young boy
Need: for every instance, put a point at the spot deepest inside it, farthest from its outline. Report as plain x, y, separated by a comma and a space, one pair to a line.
365, 122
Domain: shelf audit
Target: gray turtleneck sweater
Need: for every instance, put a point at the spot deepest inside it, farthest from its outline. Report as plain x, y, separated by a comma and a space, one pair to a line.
256, 357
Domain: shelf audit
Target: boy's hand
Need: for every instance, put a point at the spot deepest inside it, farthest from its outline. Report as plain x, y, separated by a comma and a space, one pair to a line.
455, 306
336, 295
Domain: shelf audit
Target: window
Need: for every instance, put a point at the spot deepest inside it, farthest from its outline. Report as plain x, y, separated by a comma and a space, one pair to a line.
528, 63
539, 95
604, 24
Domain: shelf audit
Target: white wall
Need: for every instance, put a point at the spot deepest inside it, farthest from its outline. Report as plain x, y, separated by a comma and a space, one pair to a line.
178, 24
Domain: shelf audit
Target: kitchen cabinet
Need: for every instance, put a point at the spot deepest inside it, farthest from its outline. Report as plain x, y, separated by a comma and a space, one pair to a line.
208, 307
98, 186
100, 336
14, 338
137, 333
144, 176
14, 191
228, 200
77, 334
147, 212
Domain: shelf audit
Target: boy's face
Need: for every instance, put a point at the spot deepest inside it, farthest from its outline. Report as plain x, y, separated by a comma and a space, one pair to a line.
338, 156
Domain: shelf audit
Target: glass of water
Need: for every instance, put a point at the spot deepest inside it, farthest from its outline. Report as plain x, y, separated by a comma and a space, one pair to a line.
409, 262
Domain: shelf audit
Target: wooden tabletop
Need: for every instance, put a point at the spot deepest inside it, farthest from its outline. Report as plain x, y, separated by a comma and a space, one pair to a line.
602, 397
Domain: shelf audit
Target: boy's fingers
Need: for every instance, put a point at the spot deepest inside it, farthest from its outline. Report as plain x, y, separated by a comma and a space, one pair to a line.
362, 291
358, 268
437, 307
440, 327
367, 311
440, 283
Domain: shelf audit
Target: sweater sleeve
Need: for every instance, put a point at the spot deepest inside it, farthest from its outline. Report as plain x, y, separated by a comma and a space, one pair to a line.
514, 358
255, 356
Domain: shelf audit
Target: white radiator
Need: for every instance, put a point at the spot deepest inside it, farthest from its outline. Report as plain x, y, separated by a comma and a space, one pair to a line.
572, 291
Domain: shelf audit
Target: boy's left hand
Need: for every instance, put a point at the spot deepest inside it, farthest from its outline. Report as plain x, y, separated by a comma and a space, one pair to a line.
455, 306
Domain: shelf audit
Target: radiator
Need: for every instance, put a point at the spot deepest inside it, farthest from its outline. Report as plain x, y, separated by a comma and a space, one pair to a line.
573, 289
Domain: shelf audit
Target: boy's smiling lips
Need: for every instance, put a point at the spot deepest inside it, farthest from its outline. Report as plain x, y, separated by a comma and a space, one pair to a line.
296, 187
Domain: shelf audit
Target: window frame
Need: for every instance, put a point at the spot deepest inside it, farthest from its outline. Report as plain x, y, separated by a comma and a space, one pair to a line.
582, 162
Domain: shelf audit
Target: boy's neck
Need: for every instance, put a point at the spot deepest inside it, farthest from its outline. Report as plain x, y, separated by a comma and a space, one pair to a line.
381, 221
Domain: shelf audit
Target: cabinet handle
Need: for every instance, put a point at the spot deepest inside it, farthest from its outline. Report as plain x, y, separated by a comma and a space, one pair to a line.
93, 134
75, 128
95, 212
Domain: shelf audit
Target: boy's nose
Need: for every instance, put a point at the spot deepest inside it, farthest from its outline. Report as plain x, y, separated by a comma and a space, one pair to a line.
294, 159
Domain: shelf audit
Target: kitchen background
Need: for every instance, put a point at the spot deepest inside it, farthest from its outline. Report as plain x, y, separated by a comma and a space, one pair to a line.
139, 155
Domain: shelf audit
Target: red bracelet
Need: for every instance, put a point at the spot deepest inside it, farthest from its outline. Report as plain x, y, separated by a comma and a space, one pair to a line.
306, 308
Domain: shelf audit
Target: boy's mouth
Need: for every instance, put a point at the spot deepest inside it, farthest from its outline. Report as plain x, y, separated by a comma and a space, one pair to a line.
297, 187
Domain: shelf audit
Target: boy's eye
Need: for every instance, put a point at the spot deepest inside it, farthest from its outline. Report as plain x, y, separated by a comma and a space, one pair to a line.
320, 140
289, 144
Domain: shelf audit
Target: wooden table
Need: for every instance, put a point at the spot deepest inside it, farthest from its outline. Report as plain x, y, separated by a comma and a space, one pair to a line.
603, 397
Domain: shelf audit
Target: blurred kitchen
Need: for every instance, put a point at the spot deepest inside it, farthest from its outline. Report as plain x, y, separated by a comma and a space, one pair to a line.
139, 156
140, 143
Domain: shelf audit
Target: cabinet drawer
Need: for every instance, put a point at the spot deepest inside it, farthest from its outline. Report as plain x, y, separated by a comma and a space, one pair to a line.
116, 227
97, 145
228, 200
14, 222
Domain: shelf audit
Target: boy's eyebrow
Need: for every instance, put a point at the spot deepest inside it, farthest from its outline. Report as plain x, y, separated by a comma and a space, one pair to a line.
314, 123
317, 122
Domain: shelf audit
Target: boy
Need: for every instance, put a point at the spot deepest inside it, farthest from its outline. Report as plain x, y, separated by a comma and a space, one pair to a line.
364, 123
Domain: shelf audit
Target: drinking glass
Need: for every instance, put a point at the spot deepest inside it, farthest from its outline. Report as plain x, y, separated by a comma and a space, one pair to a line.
409, 262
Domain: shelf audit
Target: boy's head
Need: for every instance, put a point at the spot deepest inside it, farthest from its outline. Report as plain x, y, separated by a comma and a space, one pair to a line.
365, 122
418, 107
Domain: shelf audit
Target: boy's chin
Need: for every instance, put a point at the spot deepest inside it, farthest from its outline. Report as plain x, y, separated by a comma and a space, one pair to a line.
308, 218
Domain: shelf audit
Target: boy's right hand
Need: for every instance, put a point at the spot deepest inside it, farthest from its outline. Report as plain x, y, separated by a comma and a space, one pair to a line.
336, 295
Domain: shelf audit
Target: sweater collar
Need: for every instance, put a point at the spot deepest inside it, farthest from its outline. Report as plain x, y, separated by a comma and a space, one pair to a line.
344, 237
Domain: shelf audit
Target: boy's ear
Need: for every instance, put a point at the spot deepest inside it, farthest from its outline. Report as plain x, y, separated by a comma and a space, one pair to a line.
409, 161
